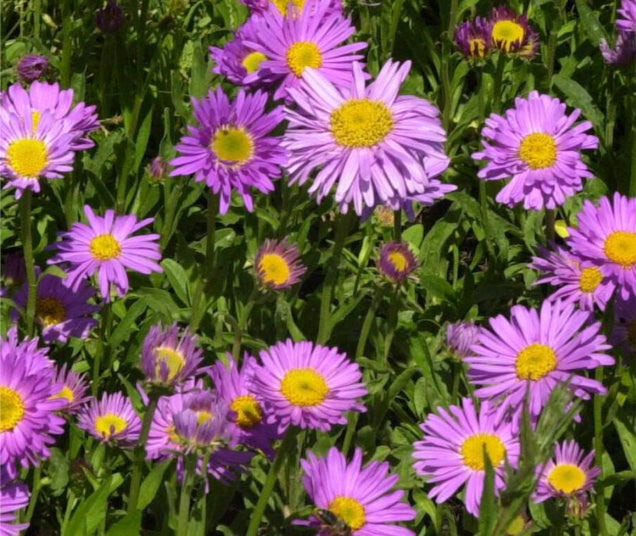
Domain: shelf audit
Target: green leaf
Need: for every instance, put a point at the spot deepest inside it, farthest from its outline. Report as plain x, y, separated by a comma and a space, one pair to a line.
488, 506
178, 279
578, 96
628, 440
150, 485
590, 23
90, 513
129, 525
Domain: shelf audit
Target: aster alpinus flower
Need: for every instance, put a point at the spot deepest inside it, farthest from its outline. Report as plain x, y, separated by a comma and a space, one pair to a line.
72, 389
474, 38
624, 52
626, 19
106, 246
360, 496
396, 261
538, 146
375, 147
112, 419
278, 265
32, 67
13, 497
461, 336
287, 7
511, 32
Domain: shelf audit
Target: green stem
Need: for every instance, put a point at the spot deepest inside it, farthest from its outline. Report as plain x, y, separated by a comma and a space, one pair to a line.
270, 481
206, 281
242, 323
67, 44
397, 225
35, 491
498, 83
483, 202
550, 220
393, 318
368, 322
186, 492
171, 198
102, 347
342, 228
135, 482
37, 18
598, 451
27, 247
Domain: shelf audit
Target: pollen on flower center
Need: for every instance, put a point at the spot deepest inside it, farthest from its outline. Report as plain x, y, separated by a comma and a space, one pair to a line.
590, 279
203, 416
507, 33
304, 387
11, 408
620, 247
361, 123
538, 150
232, 145
174, 361
65, 392
567, 478
472, 451
535, 361
248, 411
105, 247
50, 311
303, 54
282, 5
274, 269
399, 261
350, 511
27, 157
253, 61
477, 47
109, 424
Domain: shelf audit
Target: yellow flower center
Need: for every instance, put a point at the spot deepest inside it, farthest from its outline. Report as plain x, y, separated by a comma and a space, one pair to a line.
472, 451
350, 511
538, 150
516, 527
27, 158
303, 54
273, 268
50, 311
361, 123
535, 361
109, 424
398, 260
203, 416
65, 392
506, 33
590, 279
174, 361
253, 61
477, 47
620, 247
232, 145
248, 411
304, 387
11, 408
567, 478
35, 120
283, 5
105, 247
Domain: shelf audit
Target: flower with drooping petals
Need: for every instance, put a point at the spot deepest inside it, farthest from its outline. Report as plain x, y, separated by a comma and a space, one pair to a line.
32, 67
73, 389
473, 38
231, 149
278, 265
307, 385
248, 414
377, 147
110, 18
451, 453
571, 473
624, 52
624, 334
359, 496
537, 145
536, 351
62, 311
396, 261
313, 39
579, 282
112, 419
606, 236
106, 246
511, 33
626, 20
27, 412
461, 336
13, 497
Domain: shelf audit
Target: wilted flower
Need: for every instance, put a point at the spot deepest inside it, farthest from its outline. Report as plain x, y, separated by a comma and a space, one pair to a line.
624, 52
158, 169
396, 261
32, 67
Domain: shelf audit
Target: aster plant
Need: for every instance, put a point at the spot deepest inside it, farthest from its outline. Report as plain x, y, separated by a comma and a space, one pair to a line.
278, 265
112, 419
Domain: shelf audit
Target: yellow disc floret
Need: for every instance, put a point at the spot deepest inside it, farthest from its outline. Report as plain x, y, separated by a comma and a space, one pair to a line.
361, 123
303, 54
248, 411
253, 61
304, 387
273, 268
507, 33
567, 478
398, 260
232, 145
620, 247
535, 361
65, 392
283, 5
350, 511
590, 279
27, 157
110, 424
105, 247
477, 47
11, 409
472, 451
50, 311
174, 361
538, 150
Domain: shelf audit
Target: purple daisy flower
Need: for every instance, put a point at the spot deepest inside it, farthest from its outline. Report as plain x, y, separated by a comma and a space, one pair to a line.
310, 39
626, 22
295, 6
105, 246
13, 497
606, 236
278, 265
396, 261
473, 38
452, 451
61, 311
380, 148
231, 148
110, 18
247, 415
461, 336
571, 473
511, 33
32, 67
579, 282
536, 351
111, 419
236, 60
73, 389
360, 496
538, 145
170, 356
27, 416
307, 385
624, 334
624, 52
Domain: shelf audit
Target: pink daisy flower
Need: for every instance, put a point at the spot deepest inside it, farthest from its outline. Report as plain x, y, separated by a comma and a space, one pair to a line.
111, 419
